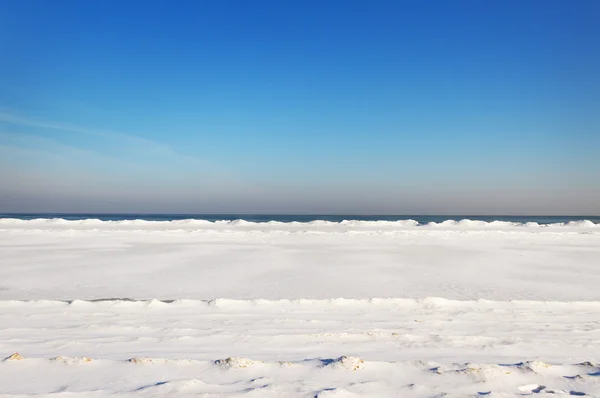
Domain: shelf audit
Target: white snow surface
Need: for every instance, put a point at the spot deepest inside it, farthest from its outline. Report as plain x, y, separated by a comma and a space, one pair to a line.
320, 309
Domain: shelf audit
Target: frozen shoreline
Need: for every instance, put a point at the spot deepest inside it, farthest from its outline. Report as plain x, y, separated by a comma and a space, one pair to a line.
383, 348
74, 260
321, 310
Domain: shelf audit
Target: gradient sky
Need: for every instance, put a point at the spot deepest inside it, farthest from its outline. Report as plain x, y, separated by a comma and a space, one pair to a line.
416, 107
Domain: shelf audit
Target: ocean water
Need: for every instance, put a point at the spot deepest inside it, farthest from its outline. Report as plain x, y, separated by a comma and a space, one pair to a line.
422, 219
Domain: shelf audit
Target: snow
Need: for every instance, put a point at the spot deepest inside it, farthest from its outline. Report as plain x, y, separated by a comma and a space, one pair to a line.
321, 309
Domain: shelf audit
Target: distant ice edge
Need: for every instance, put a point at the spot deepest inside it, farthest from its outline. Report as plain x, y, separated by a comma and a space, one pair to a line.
243, 224
223, 303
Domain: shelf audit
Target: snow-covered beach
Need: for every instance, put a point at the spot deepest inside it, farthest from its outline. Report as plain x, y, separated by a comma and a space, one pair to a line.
357, 308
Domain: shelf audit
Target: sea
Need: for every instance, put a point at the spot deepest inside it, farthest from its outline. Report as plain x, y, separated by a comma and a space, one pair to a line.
422, 219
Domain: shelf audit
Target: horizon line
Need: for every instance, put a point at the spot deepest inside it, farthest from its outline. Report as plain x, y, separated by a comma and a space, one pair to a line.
295, 214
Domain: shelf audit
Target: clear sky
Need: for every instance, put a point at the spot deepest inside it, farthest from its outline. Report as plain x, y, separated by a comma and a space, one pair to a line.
401, 107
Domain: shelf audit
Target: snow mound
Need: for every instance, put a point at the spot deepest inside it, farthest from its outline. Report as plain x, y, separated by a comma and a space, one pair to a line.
335, 393
175, 386
531, 388
287, 364
378, 224
533, 366
147, 361
157, 361
14, 357
345, 362
72, 360
588, 364
236, 363
481, 373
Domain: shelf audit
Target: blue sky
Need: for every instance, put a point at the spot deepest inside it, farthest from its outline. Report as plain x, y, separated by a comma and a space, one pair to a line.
447, 107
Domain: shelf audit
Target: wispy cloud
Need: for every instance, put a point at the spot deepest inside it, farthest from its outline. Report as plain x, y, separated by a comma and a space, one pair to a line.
19, 145
134, 143
129, 158
12, 118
